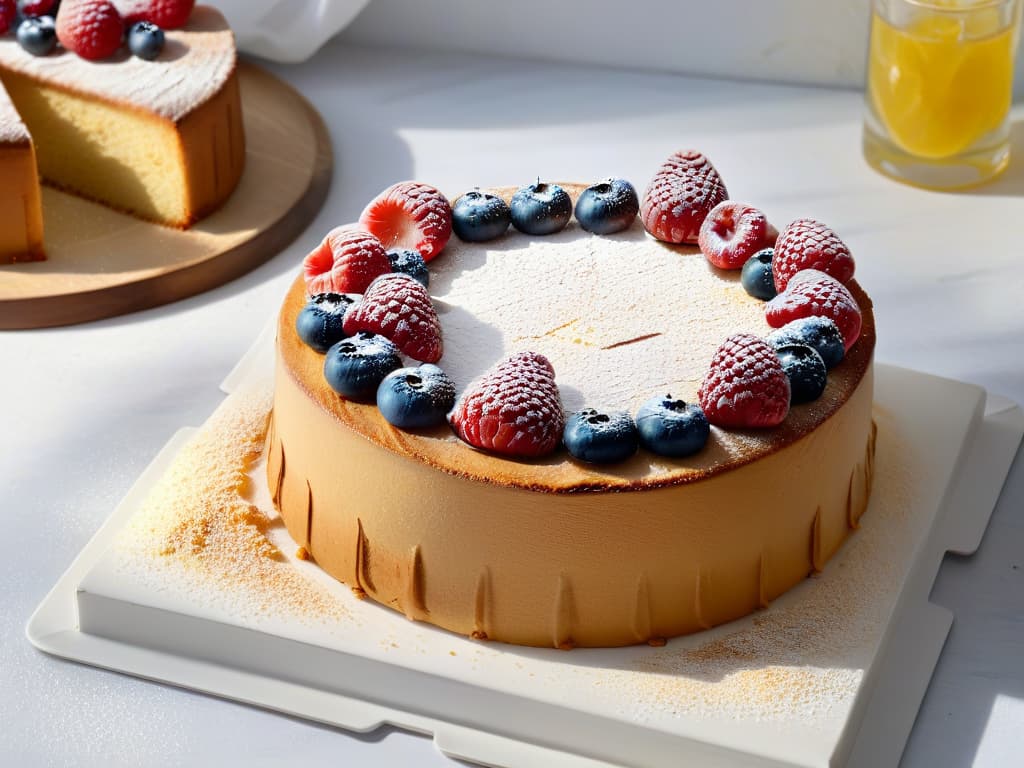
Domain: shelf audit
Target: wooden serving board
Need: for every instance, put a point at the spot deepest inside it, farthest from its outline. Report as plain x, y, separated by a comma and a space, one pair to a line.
102, 263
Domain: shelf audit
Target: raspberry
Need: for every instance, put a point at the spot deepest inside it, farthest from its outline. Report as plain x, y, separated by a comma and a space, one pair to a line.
399, 308
809, 244
732, 233
410, 215
346, 261
513, 409
166, 14
746, 385
8, 13
30, 8
813, 293
680, 196
91, 28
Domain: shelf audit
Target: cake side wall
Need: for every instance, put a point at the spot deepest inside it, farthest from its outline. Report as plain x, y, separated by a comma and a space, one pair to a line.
21, 212
212, 152
587, 569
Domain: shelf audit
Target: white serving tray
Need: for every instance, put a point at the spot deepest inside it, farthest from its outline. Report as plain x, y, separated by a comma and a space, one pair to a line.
944, 450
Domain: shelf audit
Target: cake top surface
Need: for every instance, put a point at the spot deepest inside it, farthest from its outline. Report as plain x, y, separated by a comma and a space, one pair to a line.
622, 318
194, 65
12, 129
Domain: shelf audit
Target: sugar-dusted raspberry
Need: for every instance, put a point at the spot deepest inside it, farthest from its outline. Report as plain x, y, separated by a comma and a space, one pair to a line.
680, 196
809, 244
91, 28
410, 215
346, 261
732, 233
813, 293
166, 14
745, 385
513, 409
397, 307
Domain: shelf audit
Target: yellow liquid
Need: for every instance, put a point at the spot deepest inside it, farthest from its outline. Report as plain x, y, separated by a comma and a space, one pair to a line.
941, 83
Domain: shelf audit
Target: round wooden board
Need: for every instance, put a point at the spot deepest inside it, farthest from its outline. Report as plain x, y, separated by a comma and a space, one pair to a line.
102, 263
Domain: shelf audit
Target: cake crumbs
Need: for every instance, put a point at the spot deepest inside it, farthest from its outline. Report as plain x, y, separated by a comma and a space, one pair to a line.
199, 519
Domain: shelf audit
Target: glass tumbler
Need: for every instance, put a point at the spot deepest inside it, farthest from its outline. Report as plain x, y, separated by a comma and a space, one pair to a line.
939, 86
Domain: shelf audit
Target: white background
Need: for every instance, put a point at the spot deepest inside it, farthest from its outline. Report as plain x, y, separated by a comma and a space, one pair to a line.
84, 409
821, 42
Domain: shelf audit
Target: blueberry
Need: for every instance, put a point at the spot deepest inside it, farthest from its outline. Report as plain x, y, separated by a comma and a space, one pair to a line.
145, 40
355, 367
671, 427
608, 206
409, 262
541, 209
756, 277
479, 216
319, 323
37, 35
819, 332
413, 398
600, 438
806, 371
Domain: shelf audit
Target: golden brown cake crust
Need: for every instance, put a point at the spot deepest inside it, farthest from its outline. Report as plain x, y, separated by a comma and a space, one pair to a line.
21, 212
440, 449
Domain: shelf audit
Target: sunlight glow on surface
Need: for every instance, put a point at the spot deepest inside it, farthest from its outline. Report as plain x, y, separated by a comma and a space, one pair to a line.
1002, 732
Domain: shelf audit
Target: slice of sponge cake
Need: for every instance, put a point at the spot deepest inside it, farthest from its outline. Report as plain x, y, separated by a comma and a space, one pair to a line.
21, 213
160, 139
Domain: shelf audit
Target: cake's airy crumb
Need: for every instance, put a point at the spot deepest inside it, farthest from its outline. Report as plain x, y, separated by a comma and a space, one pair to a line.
199, 518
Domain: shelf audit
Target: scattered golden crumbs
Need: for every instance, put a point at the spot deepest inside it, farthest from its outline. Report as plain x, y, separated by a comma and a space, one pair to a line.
199, 518
302, 553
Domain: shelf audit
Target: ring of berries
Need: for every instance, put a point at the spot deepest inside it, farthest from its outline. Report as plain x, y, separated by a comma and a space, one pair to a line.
514, 409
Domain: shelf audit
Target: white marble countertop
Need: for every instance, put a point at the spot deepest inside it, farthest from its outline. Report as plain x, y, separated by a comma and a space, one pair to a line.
84, 409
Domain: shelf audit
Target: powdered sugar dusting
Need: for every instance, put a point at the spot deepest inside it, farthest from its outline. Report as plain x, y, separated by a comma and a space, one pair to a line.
201, 529
12, 129
196, 62
620, 320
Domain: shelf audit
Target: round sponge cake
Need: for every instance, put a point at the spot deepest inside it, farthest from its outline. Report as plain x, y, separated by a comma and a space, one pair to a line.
554, 552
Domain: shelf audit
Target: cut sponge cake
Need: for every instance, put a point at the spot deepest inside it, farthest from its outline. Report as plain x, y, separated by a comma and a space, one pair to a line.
161, 140
21, 214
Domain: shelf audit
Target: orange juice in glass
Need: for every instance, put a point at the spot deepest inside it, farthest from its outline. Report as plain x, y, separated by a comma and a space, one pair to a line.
939, 85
